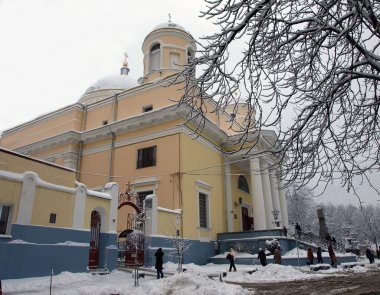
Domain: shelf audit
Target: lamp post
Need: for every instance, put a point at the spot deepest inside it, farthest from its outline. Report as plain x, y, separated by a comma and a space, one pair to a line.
275, 213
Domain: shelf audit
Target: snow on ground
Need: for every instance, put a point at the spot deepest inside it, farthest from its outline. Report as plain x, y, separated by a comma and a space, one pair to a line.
119, 282
194, 281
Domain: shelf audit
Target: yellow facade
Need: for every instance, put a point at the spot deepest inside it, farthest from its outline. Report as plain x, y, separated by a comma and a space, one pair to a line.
50, 189
10, 194
101, 138
49, 201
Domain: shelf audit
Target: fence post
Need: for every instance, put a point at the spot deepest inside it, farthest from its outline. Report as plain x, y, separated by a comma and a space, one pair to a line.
51, 280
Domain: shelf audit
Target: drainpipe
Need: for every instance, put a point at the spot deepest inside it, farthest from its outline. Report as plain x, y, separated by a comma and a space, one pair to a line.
115, 108
80, 153
112, 147
84, 118
226, 212
80, 150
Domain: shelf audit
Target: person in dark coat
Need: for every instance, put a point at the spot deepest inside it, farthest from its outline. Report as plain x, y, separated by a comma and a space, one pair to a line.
298, 228
277, 256
310, 256
319, 255
285, 231
231, 257
159, 261
263, 258
370, 255
332, 255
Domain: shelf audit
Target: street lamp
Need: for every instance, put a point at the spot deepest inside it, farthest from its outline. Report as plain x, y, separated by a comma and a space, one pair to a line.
275, 213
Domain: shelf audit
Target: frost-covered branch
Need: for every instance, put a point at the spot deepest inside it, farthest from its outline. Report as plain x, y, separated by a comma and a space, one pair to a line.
308, 69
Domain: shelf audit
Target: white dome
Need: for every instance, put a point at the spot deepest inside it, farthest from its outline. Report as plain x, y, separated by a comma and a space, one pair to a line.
169, 25
113, 82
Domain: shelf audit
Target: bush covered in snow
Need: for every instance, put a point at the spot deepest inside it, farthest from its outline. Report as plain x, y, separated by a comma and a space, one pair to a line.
272, 245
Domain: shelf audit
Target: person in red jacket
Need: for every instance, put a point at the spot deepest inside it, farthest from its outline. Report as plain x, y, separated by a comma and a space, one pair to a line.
310, 256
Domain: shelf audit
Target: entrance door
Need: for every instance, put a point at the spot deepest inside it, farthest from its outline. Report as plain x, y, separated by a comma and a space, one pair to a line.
93, 258
245, 219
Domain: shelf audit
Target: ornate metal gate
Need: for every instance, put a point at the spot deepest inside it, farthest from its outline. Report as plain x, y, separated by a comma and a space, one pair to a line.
93, 259
132, 250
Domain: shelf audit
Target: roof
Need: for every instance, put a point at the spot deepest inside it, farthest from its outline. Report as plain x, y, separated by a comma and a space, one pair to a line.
113, 82
169, 25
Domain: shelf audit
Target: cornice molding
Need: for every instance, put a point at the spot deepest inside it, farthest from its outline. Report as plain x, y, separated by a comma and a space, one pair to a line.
51, 142
43, 117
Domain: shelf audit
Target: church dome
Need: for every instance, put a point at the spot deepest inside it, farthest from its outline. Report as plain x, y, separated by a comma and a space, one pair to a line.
169, 25
113, 82
108, 86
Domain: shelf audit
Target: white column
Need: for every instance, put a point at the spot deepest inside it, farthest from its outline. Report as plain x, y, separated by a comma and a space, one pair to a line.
267, 195
24, 215
283, 204
259, 216
229, 211
275, 195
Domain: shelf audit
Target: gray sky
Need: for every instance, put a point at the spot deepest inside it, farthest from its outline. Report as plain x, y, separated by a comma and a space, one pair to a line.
53, 50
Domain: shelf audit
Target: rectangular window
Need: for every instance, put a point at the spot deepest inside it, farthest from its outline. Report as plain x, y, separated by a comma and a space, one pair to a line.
155, 60
5, 211
147, 108
146, 157
141, 197
53, 218
203, 210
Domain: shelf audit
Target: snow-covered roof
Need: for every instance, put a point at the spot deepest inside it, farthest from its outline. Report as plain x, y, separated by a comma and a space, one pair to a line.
169, 25
107, 86
114, 82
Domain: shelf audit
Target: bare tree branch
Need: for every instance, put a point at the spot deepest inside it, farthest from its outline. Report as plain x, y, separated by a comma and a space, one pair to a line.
308, 69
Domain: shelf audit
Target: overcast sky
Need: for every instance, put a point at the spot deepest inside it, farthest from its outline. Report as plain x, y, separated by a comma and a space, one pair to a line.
53, 50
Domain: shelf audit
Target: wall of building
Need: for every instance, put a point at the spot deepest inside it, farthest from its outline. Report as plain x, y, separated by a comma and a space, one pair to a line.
237, 193
33, 246
195, 155
66, 119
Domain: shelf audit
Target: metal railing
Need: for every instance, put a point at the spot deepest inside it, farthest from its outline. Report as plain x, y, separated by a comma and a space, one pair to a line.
311, 238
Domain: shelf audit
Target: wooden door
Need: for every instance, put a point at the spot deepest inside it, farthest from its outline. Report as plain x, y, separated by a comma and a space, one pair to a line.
245, 218
93, 259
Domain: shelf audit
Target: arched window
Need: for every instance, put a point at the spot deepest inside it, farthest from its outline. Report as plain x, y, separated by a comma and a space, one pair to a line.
243, 184
190, 55
154, 57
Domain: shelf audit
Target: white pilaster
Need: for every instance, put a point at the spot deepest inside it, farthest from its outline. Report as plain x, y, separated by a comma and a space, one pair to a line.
275, 195
283, 204
229, 211
79, 206
112, 188
267, 195
259, 213
151, 215
28, 190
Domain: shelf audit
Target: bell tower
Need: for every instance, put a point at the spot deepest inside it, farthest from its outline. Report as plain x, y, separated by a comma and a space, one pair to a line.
167, 48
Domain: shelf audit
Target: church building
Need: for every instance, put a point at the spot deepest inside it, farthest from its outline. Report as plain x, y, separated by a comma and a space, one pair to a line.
131, 132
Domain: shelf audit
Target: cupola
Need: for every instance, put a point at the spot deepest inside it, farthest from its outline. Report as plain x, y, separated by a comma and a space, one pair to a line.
166, 49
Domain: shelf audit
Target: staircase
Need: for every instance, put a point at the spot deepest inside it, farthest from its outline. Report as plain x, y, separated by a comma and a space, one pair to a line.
310, 238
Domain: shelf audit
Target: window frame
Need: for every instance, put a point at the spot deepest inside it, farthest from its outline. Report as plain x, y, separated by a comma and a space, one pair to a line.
144, 161
190, 54
155, 55
141, 195
9, 218
147, 108
203, 221
243, 180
